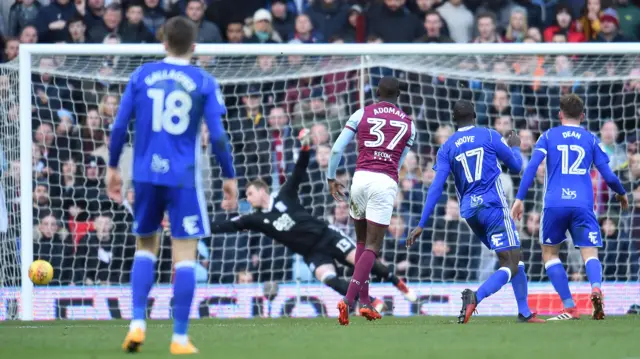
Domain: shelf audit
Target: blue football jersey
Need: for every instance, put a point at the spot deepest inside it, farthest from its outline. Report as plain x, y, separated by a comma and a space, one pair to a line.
472, 155
570, 152
168, 99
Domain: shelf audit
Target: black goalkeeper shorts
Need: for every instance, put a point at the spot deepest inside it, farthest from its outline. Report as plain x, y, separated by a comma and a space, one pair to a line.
334, 246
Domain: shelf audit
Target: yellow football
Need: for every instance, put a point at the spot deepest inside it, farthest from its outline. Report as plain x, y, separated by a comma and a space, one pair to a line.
40, 272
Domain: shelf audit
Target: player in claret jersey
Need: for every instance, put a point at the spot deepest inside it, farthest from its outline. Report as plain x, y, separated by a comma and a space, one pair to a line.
169, 98
472, 155
568, 201
385, 134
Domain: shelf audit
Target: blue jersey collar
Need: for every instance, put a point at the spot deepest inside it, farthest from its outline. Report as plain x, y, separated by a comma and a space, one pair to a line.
176, 61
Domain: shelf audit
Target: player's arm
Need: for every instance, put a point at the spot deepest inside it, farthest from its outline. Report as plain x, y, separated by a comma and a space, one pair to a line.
434, 193
508, 151
538, 155
213, 110
292, 184
346, 136
119, 137
236, 224
408, 147
601, 161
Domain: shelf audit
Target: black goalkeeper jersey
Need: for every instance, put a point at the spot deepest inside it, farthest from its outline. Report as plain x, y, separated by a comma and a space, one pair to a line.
286, 220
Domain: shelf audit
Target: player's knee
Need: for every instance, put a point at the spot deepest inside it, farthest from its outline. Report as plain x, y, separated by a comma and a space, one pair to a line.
184, 250
589, 252
150, 244
513, 267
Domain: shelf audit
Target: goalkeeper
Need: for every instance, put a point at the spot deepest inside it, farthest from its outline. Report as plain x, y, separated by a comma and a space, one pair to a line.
281, 216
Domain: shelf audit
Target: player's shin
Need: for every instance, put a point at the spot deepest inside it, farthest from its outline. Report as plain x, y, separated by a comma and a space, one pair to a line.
142, 278
521, 290
360, 275
493, 283
558, 277
593, 268
184, 284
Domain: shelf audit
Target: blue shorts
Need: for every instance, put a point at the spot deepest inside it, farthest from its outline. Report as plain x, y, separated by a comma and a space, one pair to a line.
580, 222
496, 229
186, 207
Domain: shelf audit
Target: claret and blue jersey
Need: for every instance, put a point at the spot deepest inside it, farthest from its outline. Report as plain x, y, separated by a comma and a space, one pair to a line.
168, 100
472, 154
570, 152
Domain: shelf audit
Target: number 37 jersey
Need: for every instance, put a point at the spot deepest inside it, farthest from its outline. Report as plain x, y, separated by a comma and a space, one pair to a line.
170, 98
570, 152
472, 155
383, 131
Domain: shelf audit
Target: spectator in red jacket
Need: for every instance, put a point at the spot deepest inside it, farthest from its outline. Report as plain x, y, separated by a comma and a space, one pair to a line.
564, 23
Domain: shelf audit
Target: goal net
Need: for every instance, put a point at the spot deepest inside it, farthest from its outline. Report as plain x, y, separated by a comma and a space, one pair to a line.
270, 95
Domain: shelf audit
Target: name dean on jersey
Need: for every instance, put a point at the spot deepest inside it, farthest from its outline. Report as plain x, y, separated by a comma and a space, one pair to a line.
568, 134
187, 82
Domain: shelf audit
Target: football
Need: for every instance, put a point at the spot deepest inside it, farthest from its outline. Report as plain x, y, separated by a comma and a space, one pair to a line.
40, 272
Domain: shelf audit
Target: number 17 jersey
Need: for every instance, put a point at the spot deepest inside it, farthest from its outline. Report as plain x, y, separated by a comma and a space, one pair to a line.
472, 154
570, 151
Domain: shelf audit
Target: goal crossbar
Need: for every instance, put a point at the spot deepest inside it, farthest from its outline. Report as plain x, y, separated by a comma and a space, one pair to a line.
29, 51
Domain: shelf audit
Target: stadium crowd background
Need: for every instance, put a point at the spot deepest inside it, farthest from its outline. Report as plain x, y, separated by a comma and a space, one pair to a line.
86, 235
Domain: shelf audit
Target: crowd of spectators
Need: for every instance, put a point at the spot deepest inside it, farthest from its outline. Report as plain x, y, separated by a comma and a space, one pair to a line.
87, 235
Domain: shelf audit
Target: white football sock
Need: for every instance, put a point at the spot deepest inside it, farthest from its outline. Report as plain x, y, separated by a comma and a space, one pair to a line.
138, 323
180, 338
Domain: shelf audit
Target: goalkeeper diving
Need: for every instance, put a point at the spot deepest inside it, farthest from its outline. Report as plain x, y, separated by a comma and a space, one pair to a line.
281, 217
169, 98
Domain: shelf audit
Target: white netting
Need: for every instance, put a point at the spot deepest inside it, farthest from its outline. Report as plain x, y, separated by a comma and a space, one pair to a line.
88, 238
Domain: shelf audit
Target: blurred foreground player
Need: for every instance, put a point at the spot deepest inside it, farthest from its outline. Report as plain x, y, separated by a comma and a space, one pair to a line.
281, 216
472, 155
385, 135
568, 201
168, 100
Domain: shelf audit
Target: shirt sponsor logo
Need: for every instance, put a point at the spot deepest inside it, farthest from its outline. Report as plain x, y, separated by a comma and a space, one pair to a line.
159, 164
476, 201
567, 193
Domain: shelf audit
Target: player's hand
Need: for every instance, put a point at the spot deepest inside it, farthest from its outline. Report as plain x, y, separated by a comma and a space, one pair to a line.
512, 139
337, 190
114, 185
230, 189
624, 201
517, 209
304, 137
413, 236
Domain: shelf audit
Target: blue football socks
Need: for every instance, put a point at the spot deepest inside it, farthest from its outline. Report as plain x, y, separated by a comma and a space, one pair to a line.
184, 286
521, 290
493, 283
142, 278
560, 281
593, 268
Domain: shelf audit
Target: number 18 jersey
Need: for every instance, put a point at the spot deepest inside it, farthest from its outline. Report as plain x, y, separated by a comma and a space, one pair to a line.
170, 98
472, 154
570, 151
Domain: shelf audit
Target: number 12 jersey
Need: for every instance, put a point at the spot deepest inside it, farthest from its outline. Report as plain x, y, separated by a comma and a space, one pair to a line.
570, 151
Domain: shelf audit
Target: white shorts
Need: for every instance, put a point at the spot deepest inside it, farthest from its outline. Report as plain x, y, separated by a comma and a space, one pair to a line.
372, 197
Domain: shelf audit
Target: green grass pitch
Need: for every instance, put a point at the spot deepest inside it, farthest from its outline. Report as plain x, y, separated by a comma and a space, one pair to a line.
395, 338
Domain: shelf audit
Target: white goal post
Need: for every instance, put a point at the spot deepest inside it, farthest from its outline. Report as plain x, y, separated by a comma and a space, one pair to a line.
432, 60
